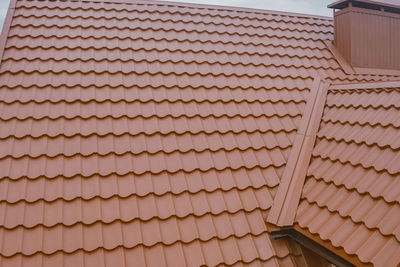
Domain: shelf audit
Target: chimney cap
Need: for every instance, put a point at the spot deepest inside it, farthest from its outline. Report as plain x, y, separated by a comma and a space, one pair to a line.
393, 4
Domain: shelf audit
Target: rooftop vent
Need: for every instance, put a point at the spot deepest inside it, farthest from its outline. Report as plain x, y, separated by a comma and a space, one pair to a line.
367, 32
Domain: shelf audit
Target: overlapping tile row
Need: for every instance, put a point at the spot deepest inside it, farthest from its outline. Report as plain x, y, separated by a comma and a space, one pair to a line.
103, 44
212, 252
352, 192
149, 134
147, 94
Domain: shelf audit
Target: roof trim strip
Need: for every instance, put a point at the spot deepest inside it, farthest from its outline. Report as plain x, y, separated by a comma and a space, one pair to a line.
285, 205
369, 71
6, 27
372, 85
347, 68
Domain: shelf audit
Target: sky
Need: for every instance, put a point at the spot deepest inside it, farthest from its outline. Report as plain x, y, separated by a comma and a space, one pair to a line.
316, 7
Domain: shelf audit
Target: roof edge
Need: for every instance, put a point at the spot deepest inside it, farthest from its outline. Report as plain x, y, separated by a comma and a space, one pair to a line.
351, 258
366, 85
218, 7
283, 211
6, 27
306, 242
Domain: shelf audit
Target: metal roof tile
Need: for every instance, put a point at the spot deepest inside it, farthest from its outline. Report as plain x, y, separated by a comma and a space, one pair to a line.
351, 174
153, 131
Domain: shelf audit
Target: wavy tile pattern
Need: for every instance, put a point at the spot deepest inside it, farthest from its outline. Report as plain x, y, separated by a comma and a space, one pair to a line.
352, 194
150, 133
146, 138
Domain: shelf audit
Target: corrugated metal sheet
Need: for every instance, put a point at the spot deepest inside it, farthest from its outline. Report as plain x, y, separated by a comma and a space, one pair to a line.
351, 196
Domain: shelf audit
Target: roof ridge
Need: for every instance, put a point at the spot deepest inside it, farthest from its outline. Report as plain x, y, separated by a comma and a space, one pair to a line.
212, 6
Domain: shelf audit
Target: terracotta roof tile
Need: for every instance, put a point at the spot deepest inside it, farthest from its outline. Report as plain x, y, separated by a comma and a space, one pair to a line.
156, 133
351, 197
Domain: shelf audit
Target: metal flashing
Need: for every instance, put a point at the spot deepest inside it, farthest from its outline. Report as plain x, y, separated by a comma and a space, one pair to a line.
347, 68
312, 245
369, 71
352, 259
372, 85
286, 201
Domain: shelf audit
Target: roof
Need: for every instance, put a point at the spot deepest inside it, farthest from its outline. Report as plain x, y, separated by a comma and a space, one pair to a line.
152, 131
353, 179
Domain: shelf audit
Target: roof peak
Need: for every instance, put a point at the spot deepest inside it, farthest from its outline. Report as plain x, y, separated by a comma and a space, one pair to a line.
206, 6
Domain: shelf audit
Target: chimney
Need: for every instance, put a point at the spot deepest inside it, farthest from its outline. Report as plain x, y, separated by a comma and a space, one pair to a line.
367, 32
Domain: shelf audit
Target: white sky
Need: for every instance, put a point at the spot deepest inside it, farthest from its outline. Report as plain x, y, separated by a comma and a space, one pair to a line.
316, 7
3, 11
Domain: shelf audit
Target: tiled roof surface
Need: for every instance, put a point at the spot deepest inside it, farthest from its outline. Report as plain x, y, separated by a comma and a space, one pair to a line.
352, 192
150, 131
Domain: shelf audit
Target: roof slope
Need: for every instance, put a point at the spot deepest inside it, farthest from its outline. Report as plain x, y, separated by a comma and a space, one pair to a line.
150, 131
132, 132
353, 181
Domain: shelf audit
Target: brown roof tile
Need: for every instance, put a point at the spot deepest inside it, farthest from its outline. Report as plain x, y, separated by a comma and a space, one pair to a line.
351, 194
155, 133
157, 154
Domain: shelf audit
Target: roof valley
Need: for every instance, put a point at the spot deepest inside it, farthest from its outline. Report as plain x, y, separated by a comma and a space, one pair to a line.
283, 210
